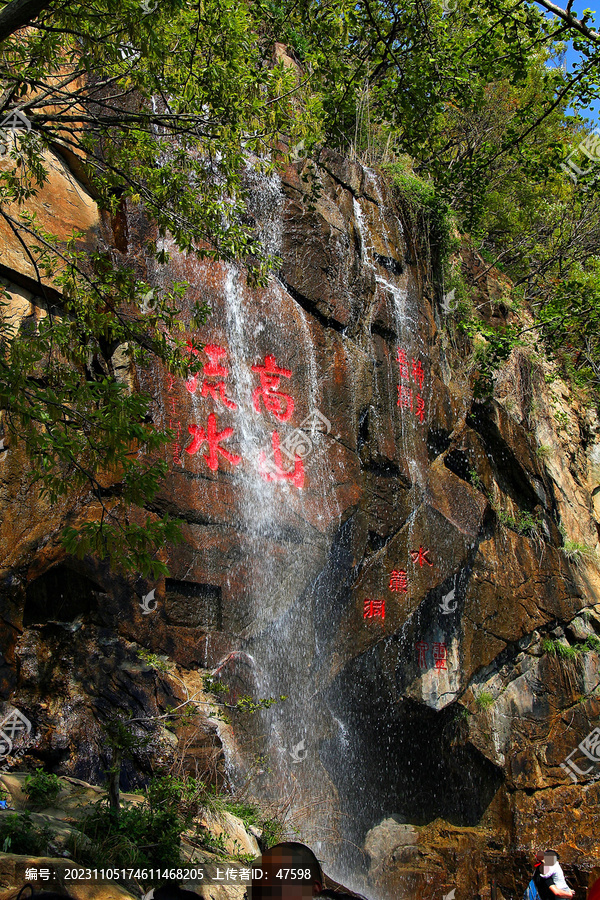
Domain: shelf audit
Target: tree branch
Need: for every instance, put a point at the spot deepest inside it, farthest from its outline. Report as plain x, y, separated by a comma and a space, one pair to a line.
19, 13
567, 16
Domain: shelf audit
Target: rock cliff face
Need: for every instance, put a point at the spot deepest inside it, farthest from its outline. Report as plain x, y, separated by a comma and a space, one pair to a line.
361, 536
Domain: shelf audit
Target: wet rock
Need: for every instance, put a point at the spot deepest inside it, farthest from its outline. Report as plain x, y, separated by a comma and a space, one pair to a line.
386, 838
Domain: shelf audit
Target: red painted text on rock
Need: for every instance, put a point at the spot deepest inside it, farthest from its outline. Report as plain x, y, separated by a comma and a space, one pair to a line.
373, 609
213, 438
278, 403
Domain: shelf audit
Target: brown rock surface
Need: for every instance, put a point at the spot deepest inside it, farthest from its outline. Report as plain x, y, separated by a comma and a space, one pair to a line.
448, 716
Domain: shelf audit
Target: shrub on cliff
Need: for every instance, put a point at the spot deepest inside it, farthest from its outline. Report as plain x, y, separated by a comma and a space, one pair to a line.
19, 834
147, 835
42, 788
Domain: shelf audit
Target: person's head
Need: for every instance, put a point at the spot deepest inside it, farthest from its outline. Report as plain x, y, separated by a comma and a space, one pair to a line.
550, 860
276, 884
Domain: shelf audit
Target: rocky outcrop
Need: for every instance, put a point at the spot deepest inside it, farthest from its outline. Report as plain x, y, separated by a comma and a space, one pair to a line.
403, 574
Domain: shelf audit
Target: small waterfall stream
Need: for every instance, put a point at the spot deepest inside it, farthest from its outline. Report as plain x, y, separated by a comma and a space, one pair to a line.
406, 370
280, 637
285, 545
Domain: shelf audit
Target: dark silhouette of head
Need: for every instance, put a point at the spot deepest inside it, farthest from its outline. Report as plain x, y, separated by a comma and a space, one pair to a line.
289, 855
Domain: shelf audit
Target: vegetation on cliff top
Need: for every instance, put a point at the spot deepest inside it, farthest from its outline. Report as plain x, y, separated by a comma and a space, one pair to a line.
161, 108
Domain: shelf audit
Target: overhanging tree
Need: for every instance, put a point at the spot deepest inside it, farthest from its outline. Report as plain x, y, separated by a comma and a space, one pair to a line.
160, 109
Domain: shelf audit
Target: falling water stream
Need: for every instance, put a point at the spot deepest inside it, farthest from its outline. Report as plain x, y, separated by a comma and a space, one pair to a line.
304, 742
299, 751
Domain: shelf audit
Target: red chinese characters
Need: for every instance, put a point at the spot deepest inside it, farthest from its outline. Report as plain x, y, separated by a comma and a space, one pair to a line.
440, 655
417, 373
211, 370
408, 397
439, 652
276, 472
420, 409
420, 556
270, 374
213, 438
405, 396
422, 647
402, 363
399, 581
282, 407
177, 444
215, 389
374, 609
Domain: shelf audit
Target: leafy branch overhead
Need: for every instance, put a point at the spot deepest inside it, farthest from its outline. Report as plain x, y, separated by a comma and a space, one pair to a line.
161, 113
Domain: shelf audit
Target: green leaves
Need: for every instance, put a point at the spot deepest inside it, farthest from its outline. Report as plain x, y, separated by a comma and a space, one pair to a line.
494, 346
84, 429
161, 112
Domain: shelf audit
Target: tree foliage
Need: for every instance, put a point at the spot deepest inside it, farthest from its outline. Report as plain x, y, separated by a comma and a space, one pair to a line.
159, 112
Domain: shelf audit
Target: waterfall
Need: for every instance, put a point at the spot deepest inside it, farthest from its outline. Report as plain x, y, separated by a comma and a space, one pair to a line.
294, 573
284, 545
280, 637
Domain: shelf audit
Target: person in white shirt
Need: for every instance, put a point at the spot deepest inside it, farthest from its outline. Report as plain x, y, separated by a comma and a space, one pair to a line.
549, 878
